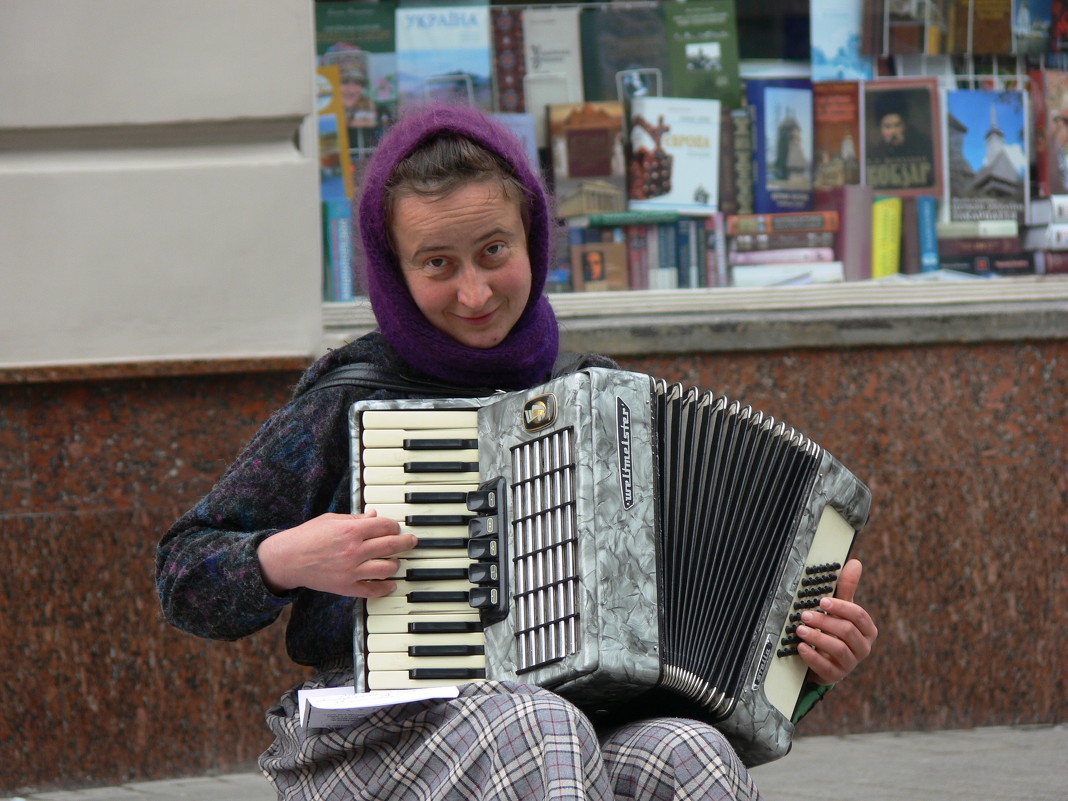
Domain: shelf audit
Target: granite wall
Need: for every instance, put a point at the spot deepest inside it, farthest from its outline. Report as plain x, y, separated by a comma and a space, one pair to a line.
966, 552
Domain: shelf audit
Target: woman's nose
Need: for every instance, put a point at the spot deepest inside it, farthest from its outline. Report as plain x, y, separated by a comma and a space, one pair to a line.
473, 289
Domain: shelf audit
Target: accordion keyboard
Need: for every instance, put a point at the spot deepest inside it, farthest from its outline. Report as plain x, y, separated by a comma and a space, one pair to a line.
421, 469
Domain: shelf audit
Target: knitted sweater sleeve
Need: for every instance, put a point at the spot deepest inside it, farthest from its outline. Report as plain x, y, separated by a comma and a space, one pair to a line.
207, 569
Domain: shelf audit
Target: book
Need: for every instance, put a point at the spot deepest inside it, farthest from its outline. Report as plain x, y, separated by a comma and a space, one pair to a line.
637, 239
979, 246
927, 222
979, 27
994, 264
782, 241
715, 250
623, 52
886, 223
915, 28
599, 267
702, 44
1051, 262
853, 203
909, 259
742, 159
360, 39
622, 218
813, 272
588, 161
785, 221
336, 707
509, 59
335, 166
836, 137
785, 255
781, 110
1031, 24
988, 171
553, 61
728, 192
1058, 36
903, 149
673, 158
835, 36
338, 284
524, 127
1052, 157
977, 228
445, 54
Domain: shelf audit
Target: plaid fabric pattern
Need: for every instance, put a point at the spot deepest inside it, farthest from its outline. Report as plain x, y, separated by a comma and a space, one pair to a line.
496, 741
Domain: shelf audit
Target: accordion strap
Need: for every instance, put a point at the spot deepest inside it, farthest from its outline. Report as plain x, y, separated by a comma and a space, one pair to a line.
369, 376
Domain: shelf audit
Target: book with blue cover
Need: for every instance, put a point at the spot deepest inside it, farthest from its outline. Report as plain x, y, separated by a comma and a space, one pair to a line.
444, 54
781, 109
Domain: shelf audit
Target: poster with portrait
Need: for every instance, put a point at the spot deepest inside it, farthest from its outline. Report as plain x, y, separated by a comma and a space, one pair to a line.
902, 137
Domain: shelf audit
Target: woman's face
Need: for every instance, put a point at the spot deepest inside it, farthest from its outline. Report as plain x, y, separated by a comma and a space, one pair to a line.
464, 258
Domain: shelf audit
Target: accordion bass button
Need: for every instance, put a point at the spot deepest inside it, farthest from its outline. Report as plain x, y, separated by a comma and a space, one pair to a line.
483, 500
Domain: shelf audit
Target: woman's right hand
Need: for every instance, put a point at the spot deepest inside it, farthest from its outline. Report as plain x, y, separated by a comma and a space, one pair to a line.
351, 555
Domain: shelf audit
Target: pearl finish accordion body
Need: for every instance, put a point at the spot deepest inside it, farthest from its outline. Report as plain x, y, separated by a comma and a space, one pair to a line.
638, 547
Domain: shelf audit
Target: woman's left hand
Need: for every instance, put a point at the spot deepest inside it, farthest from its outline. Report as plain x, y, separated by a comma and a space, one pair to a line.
839, 636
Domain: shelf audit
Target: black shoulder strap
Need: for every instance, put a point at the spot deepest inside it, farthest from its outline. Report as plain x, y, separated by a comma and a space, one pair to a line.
372, 377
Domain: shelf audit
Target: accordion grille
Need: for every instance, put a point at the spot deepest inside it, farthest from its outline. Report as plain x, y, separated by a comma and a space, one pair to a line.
545, 557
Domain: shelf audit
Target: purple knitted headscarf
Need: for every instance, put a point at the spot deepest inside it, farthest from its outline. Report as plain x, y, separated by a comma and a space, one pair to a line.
525, 357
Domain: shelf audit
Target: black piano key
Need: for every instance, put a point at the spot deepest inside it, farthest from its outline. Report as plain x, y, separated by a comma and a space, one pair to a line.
437, 596
435, 497
437, 520
443, 542
446, 650
440, 444
445, 627
434, 573
447, 674
441, 467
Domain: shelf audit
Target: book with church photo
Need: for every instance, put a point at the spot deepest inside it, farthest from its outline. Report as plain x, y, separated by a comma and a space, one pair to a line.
781, 109
987, 167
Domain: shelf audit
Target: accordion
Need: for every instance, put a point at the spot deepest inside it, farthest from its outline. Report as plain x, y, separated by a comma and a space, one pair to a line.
639, 547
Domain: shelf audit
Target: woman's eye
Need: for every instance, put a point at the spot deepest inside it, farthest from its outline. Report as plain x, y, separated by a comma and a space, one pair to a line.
437, 263
496, 249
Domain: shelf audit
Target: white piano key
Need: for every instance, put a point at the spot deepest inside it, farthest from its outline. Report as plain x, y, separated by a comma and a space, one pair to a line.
401, 661
398, 603
394, 437
398, 624
419, 419
399, 511
395, 493
398, 643
396, 475
398, 457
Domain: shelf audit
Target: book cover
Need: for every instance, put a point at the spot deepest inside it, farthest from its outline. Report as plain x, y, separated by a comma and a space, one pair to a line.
716, 250
524, 127
335, 165
1058, 35
637, 240
673, 158
338, 282
798, 222
886, 220
360, 39
444, 54
916, 28
910, 236
835, 33
1031, 23
509, 59
903, 150
553, 61
1053, 169
980, 27
623, 52
1036, 88
728, 193
614, 219
836, 137
599, 267
980, 245
987, 162
589, 165
702, 42
781, 109
783, 256
957, 229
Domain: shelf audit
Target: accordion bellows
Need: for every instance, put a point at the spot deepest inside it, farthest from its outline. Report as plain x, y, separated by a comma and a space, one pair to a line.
655, 545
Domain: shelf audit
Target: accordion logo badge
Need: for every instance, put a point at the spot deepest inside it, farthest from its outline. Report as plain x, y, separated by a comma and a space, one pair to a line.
539, 412
626, 477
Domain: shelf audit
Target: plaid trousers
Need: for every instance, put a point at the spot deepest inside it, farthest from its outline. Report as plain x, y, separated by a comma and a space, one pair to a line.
502, 741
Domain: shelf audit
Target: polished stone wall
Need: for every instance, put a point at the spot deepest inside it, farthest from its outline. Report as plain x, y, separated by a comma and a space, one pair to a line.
966, 552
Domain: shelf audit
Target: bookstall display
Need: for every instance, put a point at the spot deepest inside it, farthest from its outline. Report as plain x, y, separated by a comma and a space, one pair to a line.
918, 138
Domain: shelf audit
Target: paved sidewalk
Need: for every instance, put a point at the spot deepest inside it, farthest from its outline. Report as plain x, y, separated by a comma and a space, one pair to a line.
1028, 763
